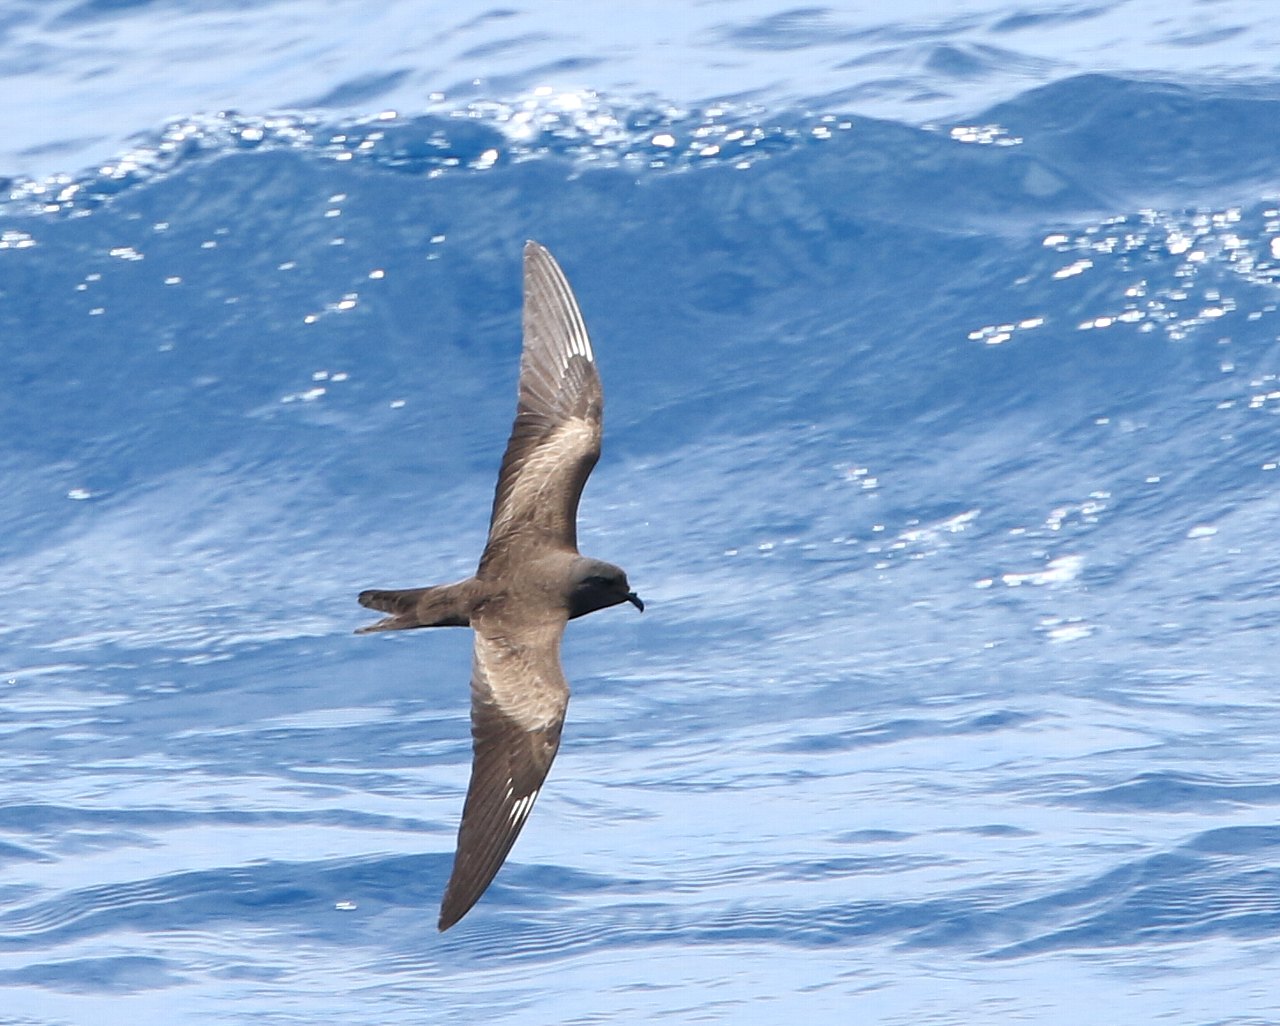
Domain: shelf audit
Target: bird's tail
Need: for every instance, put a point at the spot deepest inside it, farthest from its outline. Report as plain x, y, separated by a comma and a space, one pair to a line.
443, 605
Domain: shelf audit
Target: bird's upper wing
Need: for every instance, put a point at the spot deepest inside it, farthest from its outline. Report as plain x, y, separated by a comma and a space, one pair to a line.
556, 437
518, 700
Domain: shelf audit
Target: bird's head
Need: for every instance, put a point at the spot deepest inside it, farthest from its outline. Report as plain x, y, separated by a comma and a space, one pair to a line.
596, 584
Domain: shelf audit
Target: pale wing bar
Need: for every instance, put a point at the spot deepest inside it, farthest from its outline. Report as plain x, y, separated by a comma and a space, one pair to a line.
552, 318
555, 440
514, 744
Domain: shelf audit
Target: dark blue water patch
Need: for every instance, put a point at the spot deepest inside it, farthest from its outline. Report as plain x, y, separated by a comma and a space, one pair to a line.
974, 61
1238, 841
93, 10
256, 972
10, 852
1171, 897
267, 728
844, 868
796, 29
1142, 143
873, 837
1207, 38
996, 830
893, 731
1175, 791
12, 17
1027, 19
48, 820
1224, 883
791, 870
838, 925
632, 925
813, 27
297, 896
505, 46
123, 974
356, 91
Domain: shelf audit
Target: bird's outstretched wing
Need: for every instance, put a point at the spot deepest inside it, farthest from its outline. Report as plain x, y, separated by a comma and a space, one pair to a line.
556, 437
518, 701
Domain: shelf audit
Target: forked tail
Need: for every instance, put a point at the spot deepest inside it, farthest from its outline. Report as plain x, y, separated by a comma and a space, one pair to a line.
443, 605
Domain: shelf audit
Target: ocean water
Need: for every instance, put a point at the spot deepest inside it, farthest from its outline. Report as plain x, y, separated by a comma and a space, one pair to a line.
940, 350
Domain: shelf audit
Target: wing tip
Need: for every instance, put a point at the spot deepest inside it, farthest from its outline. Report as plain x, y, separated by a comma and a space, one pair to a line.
556, 302
452, 906
461, 896
535, 252
449, 918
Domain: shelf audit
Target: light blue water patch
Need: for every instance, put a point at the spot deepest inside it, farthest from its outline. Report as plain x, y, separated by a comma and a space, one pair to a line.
944, 456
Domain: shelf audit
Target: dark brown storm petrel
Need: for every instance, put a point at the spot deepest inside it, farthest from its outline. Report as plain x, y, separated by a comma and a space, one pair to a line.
530, 582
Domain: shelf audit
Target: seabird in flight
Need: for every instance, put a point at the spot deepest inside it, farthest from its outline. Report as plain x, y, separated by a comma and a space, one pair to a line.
530, 582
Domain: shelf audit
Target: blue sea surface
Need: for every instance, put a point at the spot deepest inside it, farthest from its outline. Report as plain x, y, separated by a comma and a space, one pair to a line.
941, 354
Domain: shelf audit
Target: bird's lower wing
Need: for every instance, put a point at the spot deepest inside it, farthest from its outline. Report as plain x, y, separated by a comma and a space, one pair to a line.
518, 702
